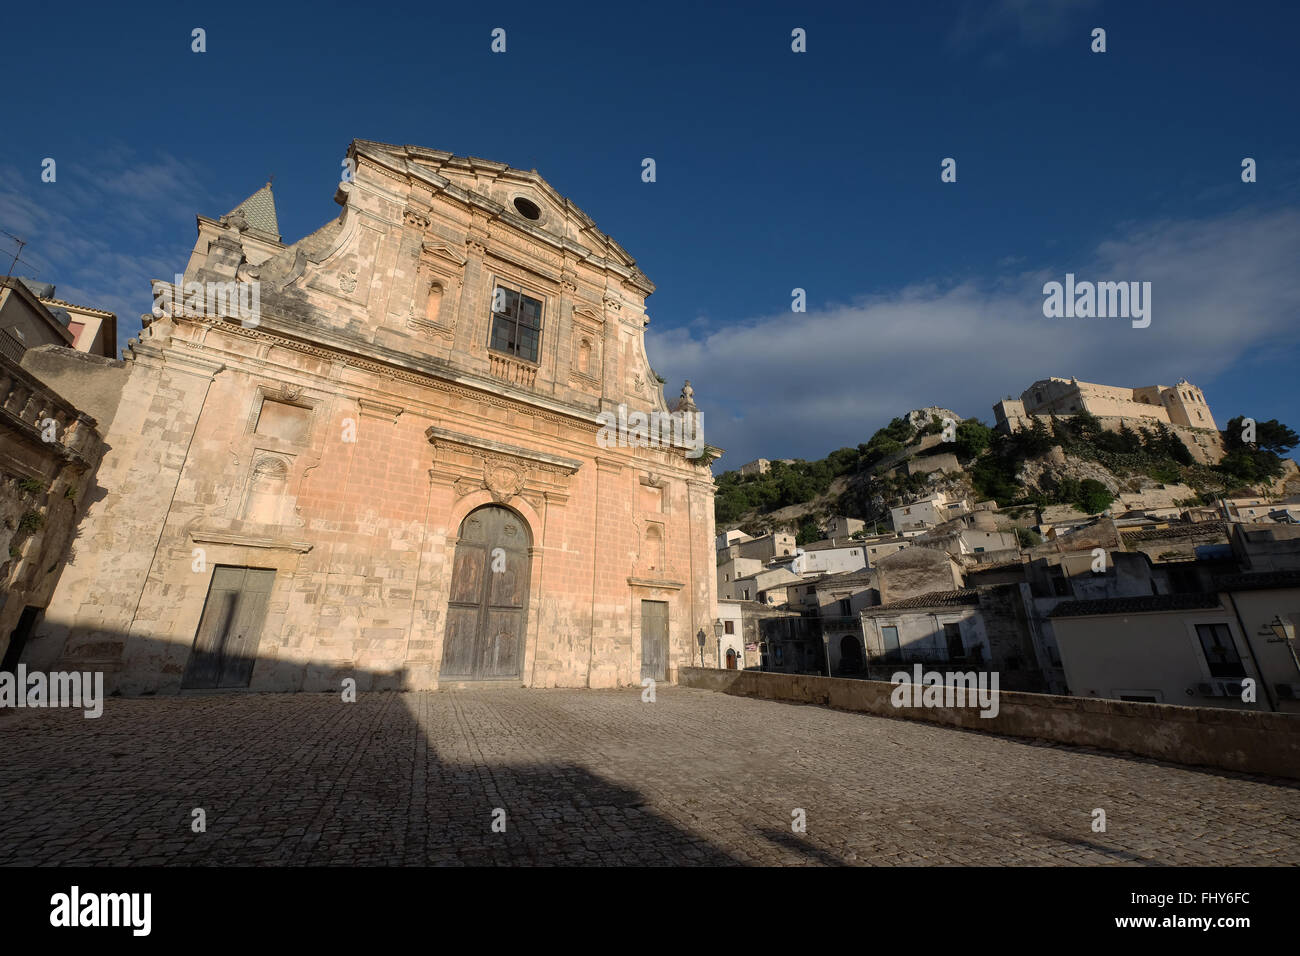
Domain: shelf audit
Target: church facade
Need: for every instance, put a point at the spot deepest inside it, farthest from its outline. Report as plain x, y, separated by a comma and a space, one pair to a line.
383, 453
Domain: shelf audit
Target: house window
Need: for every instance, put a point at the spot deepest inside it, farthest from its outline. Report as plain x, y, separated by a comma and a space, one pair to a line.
952, 636
845, 610
890, 636
516, 323
729, 627
1220, 652
746, 594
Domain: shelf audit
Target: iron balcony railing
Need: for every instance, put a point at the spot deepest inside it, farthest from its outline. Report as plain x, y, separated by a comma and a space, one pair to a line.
10, 347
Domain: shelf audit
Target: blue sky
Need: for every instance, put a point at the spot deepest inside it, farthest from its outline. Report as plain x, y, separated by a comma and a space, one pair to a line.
775, 170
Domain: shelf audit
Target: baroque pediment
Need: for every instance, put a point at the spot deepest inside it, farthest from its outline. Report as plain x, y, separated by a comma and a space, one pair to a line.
593, 316
442, 250
505, 470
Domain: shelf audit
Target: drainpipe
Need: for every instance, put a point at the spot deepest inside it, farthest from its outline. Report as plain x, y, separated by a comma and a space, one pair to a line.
1250, 648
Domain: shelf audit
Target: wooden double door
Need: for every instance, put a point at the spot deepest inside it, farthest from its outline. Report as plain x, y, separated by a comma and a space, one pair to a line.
225, 646
487, 607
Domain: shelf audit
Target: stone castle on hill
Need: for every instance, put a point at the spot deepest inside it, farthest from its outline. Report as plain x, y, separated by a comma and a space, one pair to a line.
1182, 407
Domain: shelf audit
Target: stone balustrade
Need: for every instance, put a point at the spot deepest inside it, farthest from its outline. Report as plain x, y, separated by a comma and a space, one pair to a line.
513, 371
30, 401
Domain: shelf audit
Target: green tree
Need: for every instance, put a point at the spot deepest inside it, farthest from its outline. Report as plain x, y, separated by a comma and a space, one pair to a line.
900, 429
882, 448
1035, 440
1271, 436
1250, 466
1093, 497
1087, 426
842, 461
808, 531
1129, 441
1028, 537
994, 476
973, 436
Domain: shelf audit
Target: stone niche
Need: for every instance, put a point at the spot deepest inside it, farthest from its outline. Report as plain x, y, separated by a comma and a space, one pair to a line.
266, 500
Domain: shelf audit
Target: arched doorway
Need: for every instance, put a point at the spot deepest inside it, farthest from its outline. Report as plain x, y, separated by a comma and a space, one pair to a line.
731, 658
487, 606
850, 655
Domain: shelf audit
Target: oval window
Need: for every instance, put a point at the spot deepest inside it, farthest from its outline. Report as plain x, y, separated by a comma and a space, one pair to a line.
528, 209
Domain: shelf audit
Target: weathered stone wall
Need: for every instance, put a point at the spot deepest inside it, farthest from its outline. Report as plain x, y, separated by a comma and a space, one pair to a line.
1011, 649
915, 571
92, 608
1264, 743
49, 450
945, 462
90, 382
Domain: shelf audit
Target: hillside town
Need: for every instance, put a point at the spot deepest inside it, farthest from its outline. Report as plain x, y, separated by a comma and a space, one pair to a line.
1161, 596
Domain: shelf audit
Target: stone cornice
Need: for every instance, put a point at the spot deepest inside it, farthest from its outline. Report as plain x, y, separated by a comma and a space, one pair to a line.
249, 541
372, 409
656, 583
438, 436
328, 348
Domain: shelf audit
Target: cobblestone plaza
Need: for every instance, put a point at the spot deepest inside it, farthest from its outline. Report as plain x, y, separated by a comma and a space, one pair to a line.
595, 777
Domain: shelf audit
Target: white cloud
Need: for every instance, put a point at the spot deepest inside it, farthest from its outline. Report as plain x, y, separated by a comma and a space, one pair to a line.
78, 228
1034, 22
803, 384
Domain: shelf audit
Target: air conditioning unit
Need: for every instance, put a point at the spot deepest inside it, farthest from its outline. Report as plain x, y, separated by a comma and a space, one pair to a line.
1228, 688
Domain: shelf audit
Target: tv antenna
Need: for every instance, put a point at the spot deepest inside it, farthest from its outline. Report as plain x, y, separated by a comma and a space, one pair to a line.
21, 243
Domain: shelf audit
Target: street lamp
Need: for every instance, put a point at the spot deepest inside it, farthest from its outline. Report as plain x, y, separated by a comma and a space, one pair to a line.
718, 628
1284, 630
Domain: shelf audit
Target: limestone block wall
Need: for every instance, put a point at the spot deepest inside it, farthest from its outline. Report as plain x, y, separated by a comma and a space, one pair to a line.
92, 607
360, 522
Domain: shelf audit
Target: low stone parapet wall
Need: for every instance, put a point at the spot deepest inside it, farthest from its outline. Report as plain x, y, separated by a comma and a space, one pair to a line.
1249, 742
